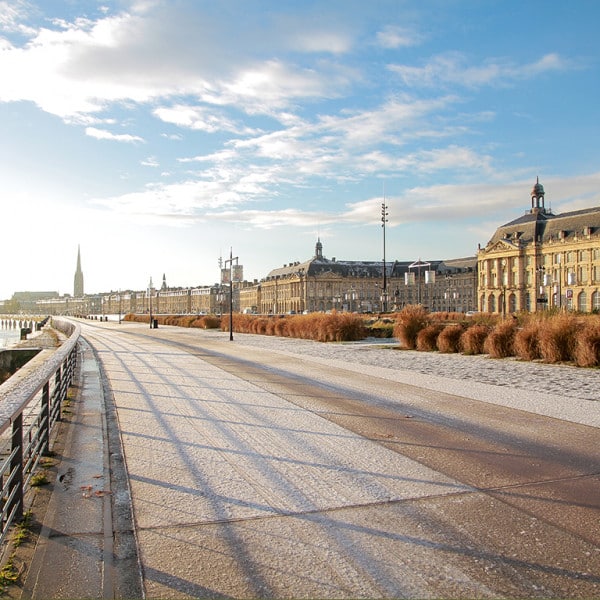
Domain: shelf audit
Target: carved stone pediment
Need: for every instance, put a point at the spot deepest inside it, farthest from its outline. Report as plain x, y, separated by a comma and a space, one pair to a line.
501, 247
328, 275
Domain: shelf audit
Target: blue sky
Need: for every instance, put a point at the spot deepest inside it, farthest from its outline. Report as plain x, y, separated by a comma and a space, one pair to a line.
160, 134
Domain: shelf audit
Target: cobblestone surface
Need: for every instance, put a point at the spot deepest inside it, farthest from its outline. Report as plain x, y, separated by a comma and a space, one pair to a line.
561, 380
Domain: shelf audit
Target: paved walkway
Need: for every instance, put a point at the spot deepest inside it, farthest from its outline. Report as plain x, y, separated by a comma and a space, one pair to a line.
237, 492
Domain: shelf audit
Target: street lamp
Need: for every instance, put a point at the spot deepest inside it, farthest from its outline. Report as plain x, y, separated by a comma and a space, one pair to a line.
150, 285
384, 220
350, 296
417, 264
229, 274
504, 286
558, 291
542, 278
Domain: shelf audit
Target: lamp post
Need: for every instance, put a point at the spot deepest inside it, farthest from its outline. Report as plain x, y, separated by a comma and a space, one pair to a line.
150, 285
418, 264
559, 288
384, 220
350, 296
541, 299
233, 273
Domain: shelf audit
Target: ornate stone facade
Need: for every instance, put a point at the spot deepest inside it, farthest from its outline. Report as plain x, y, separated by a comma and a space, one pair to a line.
322, 284
542, 260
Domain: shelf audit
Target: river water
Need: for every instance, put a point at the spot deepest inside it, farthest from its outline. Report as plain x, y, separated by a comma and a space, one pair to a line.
9, 336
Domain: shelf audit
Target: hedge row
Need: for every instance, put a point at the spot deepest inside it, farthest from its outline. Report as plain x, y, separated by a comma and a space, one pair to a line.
550, 337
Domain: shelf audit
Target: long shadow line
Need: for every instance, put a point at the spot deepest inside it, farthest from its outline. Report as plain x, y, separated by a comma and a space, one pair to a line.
234, 542
520, 563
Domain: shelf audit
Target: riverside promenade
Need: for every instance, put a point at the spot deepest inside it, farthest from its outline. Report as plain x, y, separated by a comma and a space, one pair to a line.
277, 468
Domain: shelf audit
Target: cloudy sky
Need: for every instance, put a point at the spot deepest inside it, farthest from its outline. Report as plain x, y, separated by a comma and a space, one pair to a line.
158, 134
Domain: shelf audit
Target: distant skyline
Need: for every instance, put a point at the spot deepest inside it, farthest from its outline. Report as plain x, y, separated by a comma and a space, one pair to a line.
158, 134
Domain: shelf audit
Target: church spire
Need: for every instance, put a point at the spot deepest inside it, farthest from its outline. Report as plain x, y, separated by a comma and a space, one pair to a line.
78, 280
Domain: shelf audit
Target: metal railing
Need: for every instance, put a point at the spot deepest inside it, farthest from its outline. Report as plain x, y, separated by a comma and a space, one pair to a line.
30, 407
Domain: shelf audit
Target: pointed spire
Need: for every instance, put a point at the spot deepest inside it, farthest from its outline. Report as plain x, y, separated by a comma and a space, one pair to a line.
78, 279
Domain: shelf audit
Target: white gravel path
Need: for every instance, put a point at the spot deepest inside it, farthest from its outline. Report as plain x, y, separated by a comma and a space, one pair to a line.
561, 391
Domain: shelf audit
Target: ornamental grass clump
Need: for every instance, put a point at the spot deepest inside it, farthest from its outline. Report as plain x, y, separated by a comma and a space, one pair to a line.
340, 327
427, 337
527, 340
334, 327
472, 340
409, 321
448, 340
500, 342
558, 338
587, 347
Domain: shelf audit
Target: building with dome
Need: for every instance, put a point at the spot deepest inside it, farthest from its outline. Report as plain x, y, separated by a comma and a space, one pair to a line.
541, 261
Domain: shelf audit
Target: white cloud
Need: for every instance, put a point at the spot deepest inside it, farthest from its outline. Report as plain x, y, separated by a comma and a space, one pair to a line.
150, 162
393, 36
453, 67
81, 67
199, 118
321, 41
102, 134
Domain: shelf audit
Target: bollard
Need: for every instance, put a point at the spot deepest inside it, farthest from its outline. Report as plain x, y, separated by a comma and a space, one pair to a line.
155, 324
24, 332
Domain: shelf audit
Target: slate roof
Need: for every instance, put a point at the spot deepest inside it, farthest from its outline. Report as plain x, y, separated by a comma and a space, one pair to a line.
347, 268
544, 226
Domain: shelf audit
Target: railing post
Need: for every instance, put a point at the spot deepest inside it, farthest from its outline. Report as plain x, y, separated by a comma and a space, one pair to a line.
16, 467
45, 419
58, 393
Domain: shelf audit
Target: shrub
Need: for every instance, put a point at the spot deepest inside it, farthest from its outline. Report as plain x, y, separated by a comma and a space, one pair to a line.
449, 339
409, 321
380, 329
472, 340
500, 342
527, 341
557, 338
335, 327
208, 322
427, 337
587, 347
447, 316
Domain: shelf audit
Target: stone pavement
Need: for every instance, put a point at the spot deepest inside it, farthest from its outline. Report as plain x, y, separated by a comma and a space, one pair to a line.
232, 491
76, 555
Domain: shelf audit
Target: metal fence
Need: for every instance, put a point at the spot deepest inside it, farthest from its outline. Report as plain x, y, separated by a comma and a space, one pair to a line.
30, 407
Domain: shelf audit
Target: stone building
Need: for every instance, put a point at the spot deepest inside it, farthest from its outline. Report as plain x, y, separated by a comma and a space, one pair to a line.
542, 260
322, 284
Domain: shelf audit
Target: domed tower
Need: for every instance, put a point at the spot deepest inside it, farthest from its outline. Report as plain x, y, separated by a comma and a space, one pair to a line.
537, 197
319, 250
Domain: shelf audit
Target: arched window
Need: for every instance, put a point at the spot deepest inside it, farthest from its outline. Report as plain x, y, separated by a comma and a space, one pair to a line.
492, 303
596, 301
512, 303
582, 302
